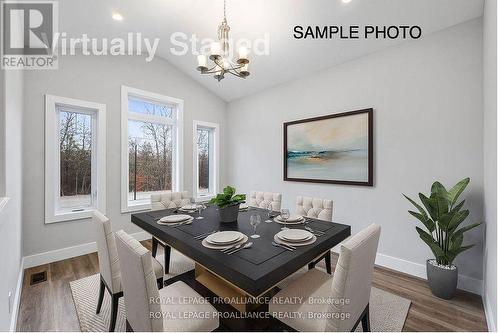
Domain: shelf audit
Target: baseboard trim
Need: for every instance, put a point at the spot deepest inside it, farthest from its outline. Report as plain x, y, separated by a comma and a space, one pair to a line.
401, 265
490, 315
69, 252
466, 283
17, 298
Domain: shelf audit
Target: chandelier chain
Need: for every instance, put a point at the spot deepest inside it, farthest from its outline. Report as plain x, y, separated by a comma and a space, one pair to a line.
224, 10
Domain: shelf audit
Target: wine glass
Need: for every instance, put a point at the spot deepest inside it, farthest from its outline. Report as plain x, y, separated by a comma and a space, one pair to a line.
254, 222
285, 215
269, 212
201, 206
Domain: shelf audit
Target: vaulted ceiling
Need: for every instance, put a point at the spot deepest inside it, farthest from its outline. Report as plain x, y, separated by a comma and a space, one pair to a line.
288, 58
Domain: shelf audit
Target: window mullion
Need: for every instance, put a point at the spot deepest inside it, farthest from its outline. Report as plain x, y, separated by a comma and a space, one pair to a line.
148, 118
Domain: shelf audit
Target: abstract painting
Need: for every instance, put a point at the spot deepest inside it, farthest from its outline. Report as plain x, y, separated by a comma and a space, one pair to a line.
335, 149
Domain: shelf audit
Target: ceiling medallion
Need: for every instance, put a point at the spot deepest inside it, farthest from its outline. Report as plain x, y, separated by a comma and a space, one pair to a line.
219, 55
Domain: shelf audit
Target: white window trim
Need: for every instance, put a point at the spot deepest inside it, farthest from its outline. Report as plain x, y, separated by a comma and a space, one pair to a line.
52, 168
177, 174
215, 162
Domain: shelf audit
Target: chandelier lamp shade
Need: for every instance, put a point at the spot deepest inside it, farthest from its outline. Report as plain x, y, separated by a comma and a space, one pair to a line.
218, 63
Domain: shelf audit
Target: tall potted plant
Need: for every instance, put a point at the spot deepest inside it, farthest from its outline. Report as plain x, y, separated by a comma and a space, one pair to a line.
442, 216
228, 203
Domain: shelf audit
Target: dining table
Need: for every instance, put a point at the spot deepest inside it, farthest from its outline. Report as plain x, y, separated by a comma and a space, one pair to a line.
249, 273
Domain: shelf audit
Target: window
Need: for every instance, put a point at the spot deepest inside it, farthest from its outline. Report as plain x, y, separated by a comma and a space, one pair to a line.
205, 159
75, 158
151, 146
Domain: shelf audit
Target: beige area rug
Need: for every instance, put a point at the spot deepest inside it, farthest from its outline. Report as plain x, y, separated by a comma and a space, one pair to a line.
86, 291
387, 311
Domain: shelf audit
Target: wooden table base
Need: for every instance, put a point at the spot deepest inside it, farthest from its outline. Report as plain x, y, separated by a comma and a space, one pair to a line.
231, 294
232, 319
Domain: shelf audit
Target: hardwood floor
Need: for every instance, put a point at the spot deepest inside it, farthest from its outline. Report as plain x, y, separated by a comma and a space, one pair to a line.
48, 306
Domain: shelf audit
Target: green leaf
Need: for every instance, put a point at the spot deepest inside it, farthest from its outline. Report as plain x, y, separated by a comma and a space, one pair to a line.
229, 191
456, 243
464, 229
458, 207
429, 224
430, 205
441, 203
452, 254
444, 220
456, 190
429, 240
420, 209
438, 189
239, 197
227, 197
457, 218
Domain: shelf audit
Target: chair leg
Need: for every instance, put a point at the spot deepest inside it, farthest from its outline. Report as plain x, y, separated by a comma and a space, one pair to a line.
159, 282
128, 328
102, 288
114, 311
167, 258
365, 320
328, 262
154, 247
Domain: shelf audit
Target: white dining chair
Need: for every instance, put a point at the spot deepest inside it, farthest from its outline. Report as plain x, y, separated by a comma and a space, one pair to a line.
109, 266
261, 199
343, 300
174, 262
321, 209
175, 308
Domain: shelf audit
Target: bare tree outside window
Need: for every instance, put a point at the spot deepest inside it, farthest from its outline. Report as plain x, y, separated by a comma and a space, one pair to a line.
150, 151
203, 142
75, 154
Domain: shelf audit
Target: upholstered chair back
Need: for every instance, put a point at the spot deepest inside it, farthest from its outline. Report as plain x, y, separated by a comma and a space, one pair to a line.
314, 207
139, 284
263, 199
352, 279
109, 265
169, 199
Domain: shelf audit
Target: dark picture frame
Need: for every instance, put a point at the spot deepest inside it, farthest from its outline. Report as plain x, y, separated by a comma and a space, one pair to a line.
369, 182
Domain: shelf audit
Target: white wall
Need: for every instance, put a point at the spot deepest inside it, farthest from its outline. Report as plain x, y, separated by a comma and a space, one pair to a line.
2, 134
10, 214
99, 79
490, 160
427, 99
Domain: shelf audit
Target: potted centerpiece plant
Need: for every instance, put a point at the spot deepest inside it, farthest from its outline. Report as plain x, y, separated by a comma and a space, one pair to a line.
228, 203
442, 216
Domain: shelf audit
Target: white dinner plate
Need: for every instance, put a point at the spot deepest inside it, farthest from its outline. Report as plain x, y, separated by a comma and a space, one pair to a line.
224, 237
222, 247
295, 235
175, 218
308, 242
292, 218
189, 207
226, 243
294, 242
277, 220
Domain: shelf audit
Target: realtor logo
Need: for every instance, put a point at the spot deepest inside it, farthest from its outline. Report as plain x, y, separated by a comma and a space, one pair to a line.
28, 34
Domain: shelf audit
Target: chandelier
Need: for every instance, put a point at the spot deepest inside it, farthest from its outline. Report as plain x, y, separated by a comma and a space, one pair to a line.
219, 55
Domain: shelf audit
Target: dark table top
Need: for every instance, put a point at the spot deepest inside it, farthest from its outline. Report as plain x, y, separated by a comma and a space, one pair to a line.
254, 270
